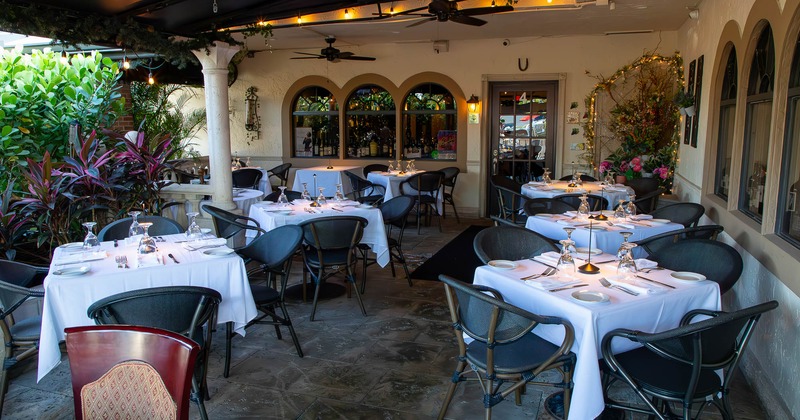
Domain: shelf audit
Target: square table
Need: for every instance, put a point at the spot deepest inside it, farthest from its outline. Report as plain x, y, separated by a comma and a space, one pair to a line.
612, 193
326, 178
591, 321
391, 181
269, 216
66, 298
603, 236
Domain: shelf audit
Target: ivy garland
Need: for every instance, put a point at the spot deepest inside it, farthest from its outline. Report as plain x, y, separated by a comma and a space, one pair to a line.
92, 28
674, 62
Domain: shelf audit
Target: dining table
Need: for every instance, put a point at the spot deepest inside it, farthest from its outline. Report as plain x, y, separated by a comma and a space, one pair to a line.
594, 310
272, 215
613, 193
79, 277
391, 181
242, 197
326, 177
602, 235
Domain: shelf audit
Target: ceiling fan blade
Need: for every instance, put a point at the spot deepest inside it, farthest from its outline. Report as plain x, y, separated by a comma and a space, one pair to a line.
307, 58
358, 58
305, 53
420, 22
405, 12
467, 20
485, 10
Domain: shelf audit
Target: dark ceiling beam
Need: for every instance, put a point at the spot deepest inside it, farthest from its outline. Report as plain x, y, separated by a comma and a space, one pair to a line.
147, 8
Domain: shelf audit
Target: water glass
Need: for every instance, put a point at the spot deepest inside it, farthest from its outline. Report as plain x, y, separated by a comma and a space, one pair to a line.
619, 212
135, 229
194, 233
566, 264
147, 245
306, 195
630, 209
282, 199
338, 196
321, 198
90, 242
627, 265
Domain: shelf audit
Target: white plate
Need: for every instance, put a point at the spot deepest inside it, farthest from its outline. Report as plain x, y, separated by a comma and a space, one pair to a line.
595, 251
662, 221
71, 247
364, 206
218, 252
687, 276
503, 264
590, 296
72, 271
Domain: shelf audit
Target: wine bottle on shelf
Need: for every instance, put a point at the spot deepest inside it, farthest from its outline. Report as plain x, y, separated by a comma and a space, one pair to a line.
316, 146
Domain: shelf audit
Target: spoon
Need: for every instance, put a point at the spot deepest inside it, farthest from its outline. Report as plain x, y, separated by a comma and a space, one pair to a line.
173, 258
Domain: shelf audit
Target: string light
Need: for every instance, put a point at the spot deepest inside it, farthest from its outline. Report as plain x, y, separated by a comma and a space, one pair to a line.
150, 79
125, 63
391, 9
347, 13
299, 19
493, 4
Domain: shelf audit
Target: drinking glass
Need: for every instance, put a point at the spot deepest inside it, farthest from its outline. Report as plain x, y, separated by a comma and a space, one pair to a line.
398, 166
566, 264
390, 168
135, 229
413, 166
630, 209
627, 266
583, 208
619, 212
546, 177
569, 231
623, 247
338, 196
282, 199
90, 242
306, 195
609, 178
578, 180
193, 232
147, 245
321, 198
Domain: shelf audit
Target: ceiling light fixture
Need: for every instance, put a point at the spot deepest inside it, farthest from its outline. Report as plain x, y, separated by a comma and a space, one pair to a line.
299, 19
472, 103
347, 13
493, 5
391, 9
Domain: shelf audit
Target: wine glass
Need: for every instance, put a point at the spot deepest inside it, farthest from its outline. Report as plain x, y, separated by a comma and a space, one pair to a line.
306, 195
321, 198
135, 229
569, 231
338, 196
627, 265
609, 178
583, 208
546, 177
147, 245
577, 178
193, 232
619, 212
390, 168
413, 166
623, 246
90, 242
566, 264
282, 199
630, 209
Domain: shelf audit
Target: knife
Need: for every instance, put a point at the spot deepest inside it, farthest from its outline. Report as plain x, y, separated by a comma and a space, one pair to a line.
655, 281
569, 287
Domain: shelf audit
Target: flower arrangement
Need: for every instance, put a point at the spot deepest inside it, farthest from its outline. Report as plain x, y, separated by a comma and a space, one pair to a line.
621, 164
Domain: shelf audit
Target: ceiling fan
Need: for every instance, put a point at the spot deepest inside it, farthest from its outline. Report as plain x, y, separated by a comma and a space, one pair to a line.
447, 10
332, 54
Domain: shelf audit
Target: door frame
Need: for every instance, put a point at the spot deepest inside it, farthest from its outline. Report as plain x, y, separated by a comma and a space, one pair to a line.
486, 80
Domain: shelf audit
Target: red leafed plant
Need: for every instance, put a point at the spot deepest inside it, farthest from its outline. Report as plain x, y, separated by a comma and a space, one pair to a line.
146, 164
13, 225
48, 207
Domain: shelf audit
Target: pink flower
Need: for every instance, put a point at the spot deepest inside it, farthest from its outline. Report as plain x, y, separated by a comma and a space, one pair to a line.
637, 168
623, 166
636, 161
604, 166
664, 172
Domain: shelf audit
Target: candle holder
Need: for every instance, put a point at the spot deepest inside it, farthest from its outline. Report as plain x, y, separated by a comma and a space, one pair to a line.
602, 217
315, 203
589, 268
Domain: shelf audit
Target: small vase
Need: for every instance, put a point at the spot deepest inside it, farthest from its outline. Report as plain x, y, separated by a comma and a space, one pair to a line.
620, 179
647, 174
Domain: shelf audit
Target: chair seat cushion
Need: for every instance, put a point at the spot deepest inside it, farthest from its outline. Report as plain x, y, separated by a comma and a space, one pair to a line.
329, 257
523, 355
264, 295
665, 377
27, 329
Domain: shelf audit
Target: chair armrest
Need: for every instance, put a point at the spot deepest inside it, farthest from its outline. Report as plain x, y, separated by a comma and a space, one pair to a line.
687, 319
605, 345
496, 294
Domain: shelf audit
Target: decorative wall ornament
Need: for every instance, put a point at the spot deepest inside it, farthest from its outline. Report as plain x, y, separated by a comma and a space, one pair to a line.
252, 119
519, 64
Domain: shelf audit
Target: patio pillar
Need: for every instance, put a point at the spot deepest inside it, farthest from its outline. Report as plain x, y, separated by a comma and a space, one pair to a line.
215, 76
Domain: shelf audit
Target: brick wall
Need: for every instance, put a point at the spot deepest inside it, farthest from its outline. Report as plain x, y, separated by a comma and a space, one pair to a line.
125, 121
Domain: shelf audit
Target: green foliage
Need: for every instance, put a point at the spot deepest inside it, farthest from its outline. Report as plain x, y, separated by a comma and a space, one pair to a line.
157, 111
42, 93
13, 225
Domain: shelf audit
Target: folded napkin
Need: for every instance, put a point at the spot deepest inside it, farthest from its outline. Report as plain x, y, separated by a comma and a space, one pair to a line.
205, 243
642, 263
641, 217
549, 258
566, 222
149, 260
554, 282
625, 225
82, 257
537, 183
637, 286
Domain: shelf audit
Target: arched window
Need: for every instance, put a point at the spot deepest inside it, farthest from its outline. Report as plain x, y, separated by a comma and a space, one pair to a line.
371, 124
430, 123
315, 121
727, 119
760, 87
788, 223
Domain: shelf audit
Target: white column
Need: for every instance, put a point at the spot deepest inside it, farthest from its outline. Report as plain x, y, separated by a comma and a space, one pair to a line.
215, 75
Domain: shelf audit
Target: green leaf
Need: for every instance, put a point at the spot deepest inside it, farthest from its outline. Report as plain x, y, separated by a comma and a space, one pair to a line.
6, 130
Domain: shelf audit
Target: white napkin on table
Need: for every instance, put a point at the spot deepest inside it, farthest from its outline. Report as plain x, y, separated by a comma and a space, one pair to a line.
567, 222
550, 283
625, 225
82, 257
149, 260
637, 286
549, 258
642, 263
641, 217
205, 243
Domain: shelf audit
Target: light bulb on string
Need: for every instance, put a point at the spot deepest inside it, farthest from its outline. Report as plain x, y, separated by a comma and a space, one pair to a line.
347, 13
150, 79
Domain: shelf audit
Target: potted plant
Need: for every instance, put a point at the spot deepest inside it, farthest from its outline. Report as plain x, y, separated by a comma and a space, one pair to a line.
684, 102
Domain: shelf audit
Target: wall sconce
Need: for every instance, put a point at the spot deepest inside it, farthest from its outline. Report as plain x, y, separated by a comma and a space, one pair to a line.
472, 103
252, 121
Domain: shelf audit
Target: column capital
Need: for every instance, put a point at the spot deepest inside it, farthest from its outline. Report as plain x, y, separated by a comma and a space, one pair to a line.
218, 56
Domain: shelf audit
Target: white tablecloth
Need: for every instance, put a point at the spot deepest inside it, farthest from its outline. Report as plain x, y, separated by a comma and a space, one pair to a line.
242, 197
646, 312
613, 193
326, 178
66, 299
374, 232
391, 181
608, 239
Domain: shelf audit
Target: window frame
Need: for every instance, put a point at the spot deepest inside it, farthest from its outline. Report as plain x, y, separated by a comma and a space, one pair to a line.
332, 114
408, 113
726, 134
389, 114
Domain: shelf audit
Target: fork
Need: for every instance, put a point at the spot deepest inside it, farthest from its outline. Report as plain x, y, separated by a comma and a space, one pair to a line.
647, 270
608, 284
118, 259
547, 272
124, 260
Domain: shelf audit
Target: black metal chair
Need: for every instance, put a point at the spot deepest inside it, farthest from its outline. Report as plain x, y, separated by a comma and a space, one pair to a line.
118, 229
687, 214
510, 243
227, 224
365, 191
330, 244
20, 336
273, 253
424, 187
510, 201
642, 186
448, 185
646, 203
596, 202
584, 178
503, 348
680, 365
654, 244
374, 167
716, 260
395, 214
187, 310
247, 178
291, 195
281, 172
534, 206
21, 274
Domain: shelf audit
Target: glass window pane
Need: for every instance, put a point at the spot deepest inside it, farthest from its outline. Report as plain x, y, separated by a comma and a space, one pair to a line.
789, 221
727, 119
315, 122
430, 123
371, 127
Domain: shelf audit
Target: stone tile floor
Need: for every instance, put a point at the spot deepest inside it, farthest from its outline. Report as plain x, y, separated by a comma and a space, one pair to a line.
395, 363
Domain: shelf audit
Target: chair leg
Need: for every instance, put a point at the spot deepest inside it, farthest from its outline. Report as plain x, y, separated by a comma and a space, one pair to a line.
276, 321
198, 398
3, 384
452, 389
363, 269
288, 323
454, 212
316, 295
405, 265
352, 281
228, 339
